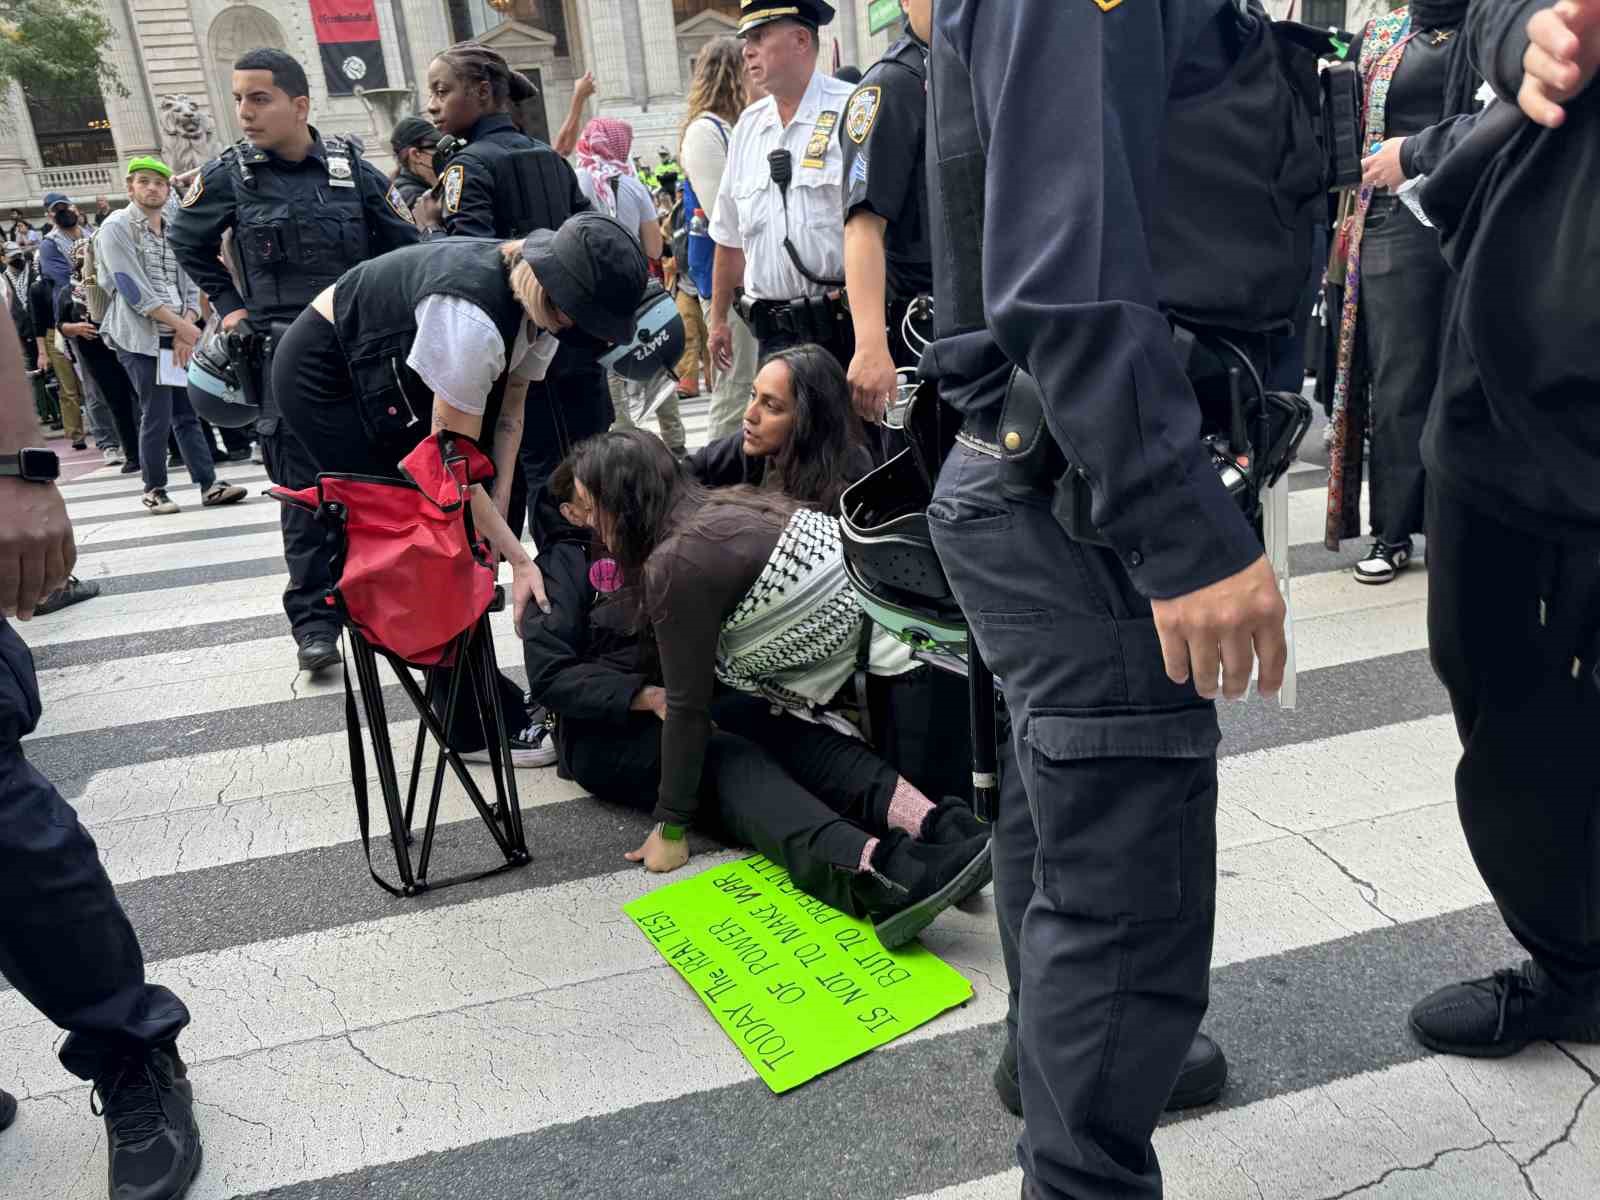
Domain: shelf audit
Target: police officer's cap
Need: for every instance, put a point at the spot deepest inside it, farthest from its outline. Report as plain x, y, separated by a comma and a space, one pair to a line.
593, 270
755, 13
413, 131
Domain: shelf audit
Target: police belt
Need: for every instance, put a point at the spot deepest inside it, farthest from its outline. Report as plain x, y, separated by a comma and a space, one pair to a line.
817, 318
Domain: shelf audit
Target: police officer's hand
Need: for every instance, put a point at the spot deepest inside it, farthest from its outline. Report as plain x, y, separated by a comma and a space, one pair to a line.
873, 383
36, 548
428, 211
1382, 168
720, 343
1561, 60
231, 321
1227, 625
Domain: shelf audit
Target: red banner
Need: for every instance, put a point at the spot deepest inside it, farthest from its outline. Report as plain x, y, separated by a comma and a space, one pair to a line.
339, 21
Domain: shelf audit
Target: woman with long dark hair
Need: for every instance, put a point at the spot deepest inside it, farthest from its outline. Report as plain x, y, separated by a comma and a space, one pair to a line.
800, 436
1418, 79
817, 801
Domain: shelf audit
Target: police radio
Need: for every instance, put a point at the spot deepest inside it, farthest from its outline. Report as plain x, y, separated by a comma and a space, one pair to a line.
447, 148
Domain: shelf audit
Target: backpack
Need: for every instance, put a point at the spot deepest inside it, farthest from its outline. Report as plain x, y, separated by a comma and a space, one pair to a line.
699, 251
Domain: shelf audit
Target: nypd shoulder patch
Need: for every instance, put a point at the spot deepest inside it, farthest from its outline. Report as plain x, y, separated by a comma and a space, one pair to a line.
862, 113
196, 190
397, 202
454, 177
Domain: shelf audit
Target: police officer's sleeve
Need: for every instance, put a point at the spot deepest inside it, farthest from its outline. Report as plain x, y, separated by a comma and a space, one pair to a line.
468, 209
1070, 101
880, 134
389, 223
204, 214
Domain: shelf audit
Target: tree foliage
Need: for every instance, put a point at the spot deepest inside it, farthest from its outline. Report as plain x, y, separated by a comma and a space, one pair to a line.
56, 48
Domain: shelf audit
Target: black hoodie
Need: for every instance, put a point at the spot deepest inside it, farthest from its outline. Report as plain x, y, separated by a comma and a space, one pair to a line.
585, 662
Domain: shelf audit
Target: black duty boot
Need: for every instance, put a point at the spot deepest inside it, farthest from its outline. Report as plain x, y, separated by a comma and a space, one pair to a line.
8, 1109
152, 1141
317, 652
912, 882
1200, 1081
951, 821
1498, 1016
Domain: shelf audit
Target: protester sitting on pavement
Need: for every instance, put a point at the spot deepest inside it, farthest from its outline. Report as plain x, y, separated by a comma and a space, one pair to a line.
848, 828
155, 311
799, 435
455, 329
740, 585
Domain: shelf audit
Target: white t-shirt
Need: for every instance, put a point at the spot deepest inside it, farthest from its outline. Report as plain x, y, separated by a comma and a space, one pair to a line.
634, 205
459, 353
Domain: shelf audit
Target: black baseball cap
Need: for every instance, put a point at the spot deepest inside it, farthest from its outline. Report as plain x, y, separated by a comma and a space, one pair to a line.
753, 13
593, 270
413, 131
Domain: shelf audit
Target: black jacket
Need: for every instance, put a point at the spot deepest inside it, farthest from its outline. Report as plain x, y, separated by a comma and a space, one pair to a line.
585, 662
501, 170
409, 186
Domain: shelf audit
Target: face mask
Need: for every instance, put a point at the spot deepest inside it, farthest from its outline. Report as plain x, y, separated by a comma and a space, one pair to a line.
66, 218
17, 263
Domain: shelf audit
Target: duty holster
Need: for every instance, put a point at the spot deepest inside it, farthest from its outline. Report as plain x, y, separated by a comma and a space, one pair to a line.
1032, 463
812, 318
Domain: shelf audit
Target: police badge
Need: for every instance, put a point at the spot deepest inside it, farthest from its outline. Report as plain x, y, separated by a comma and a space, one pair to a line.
339, 171
863, 111
452, 179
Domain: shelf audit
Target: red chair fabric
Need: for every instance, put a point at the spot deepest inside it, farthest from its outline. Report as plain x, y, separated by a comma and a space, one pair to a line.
411, 576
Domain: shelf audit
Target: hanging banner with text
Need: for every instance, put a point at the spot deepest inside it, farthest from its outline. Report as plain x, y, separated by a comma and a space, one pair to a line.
798, 986
347, 36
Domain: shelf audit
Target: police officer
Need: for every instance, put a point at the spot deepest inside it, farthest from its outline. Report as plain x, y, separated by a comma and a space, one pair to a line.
496, 181
778, 222
303, 209
1109, 643
887, 262
413, 142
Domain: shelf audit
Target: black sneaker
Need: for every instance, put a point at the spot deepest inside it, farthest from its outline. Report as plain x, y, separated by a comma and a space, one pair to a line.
535, 746
317, 653
74, 591
152, 1141
8, 1109
1498, 1016
951, 821
1200, 1080
1383, 562
131, 467
910, 883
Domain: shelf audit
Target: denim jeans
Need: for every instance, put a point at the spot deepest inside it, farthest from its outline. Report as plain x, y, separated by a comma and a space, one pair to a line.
166, 410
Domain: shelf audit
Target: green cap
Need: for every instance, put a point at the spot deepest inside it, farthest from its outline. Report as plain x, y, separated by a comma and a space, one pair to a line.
146, 162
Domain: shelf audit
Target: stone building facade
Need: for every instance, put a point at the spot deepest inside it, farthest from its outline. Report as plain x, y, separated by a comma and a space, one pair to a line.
639, 51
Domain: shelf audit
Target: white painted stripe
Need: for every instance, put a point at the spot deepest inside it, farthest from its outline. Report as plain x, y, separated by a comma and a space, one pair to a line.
184, 494
1308, 514
518, 1012
127, 613
1422, 1127
246, 518
110, 480
181, 555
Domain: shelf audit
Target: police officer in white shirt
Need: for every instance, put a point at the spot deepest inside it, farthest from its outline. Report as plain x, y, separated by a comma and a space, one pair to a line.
779, 221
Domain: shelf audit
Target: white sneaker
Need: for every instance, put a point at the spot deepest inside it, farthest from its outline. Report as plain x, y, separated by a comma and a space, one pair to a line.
112, 456
158, 504
535, 746
1383, 562
255, 453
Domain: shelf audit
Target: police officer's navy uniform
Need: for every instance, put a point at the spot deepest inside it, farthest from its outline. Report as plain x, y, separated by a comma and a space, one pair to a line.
782, 306
1044, 142
297, 226
505, 184
883, 135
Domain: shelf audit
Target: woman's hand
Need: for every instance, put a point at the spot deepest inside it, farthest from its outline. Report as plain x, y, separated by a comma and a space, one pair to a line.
527, 583
660, 855
1382, 169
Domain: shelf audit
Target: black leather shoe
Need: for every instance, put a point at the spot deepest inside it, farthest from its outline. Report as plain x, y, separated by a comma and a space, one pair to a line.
952, 821
152, 1141
318, 652
1498, 1016
1200, 1081
8, 1109
910, 883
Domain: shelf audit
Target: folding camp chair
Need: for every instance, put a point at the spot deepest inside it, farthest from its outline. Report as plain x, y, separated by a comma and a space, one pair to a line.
414, 585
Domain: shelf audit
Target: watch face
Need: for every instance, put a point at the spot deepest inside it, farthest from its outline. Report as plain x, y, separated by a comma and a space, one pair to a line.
41, 466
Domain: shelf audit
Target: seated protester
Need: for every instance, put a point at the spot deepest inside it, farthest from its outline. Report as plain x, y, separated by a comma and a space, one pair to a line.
820, 803
737, 585
455, 329
799, 436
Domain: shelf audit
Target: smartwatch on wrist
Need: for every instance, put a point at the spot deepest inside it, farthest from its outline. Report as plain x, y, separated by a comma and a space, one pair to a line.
672, 833
31, 465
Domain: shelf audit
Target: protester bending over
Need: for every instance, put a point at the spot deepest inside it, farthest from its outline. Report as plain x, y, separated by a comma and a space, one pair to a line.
849, 829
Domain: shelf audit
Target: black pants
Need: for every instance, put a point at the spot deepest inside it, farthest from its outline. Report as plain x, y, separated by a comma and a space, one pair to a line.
100, 361
920, 724
65, 942
305, 549
1526, 699
803, 795
1119, 769
571, 404
1405, 288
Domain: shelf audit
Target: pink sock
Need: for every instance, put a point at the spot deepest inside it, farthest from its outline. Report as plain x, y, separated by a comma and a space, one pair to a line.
866, 855
908, 808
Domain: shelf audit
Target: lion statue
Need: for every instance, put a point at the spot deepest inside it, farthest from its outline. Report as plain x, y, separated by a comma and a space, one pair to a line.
187, 133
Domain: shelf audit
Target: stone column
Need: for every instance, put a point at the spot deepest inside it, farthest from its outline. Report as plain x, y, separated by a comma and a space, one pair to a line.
664, 83
133, 120
616, 83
